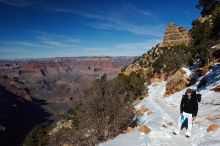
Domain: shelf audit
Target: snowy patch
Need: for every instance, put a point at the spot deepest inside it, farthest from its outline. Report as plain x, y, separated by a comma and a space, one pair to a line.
134, 138
211, 143
188, 72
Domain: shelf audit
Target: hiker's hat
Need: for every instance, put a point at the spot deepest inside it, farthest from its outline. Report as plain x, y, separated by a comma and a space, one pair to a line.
189, 91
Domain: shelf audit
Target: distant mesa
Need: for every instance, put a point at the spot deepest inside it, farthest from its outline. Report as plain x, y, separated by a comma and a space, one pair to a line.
175, 35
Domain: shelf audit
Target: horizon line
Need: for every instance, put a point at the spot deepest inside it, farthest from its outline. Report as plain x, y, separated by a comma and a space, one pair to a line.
84, 56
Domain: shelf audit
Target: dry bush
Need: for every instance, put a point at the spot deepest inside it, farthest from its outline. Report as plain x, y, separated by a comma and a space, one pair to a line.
104, 111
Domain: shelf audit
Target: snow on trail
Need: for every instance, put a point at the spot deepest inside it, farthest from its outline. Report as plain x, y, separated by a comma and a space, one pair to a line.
161, 115
165, 113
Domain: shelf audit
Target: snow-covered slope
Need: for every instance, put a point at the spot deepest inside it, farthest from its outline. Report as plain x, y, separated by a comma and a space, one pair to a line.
165, 113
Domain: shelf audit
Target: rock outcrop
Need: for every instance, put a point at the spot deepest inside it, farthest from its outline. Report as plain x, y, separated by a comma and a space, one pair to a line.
215, 52
177, 82
157, 77
152, 60
132, 68
15, 87
175, 35
208, 18
62, 125
216, 89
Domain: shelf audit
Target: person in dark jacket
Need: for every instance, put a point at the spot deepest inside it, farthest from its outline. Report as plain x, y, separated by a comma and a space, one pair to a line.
188, 109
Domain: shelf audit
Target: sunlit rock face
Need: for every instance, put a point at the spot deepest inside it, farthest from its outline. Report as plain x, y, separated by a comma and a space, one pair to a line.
175, 35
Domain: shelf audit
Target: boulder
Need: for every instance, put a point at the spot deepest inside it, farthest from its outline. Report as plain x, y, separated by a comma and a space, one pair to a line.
129, 129
212, 128
142, 110
144, 128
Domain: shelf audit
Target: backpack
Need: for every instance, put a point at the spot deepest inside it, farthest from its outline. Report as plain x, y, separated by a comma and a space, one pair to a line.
198, 97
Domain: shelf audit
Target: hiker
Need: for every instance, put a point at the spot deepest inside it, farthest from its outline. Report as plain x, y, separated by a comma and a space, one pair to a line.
188, 109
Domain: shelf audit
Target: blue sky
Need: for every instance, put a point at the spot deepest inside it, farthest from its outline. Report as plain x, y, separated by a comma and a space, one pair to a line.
60, 28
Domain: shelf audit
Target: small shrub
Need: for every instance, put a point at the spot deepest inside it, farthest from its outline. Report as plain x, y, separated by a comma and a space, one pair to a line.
141, 97
38, 135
